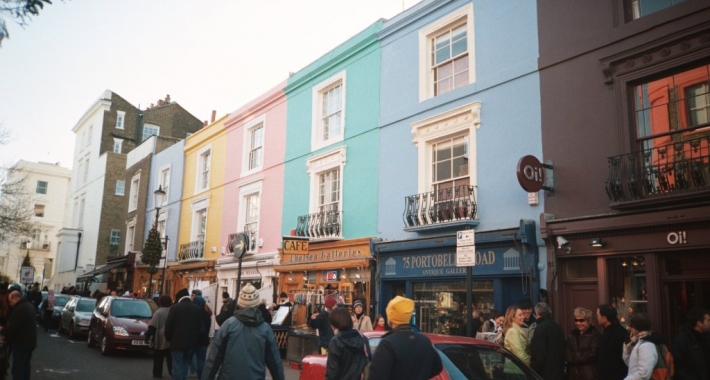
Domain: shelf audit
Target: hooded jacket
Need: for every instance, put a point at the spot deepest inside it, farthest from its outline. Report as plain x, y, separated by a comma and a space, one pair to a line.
348, 353
420, 362
243, 348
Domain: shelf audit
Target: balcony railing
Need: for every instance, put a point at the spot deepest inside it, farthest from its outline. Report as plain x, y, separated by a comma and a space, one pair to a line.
193, 250
440, 206
320, 225
676, 168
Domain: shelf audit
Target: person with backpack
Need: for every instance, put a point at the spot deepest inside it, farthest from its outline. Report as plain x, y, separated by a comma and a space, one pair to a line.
348, 351
640, 353
691, 348
321, 322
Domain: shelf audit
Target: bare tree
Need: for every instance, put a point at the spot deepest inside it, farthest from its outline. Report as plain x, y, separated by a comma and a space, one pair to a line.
15, 203
20, 11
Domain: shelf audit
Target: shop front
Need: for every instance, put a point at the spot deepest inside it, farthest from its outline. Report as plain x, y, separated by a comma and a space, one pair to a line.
311, 271
425, 270
654, 263
192, 275
116, 275
257, 270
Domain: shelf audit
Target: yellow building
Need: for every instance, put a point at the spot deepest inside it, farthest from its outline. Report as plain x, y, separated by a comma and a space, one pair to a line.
201, 210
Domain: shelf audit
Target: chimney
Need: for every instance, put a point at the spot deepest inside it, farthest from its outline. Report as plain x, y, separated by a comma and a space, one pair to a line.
204, 123
214, 113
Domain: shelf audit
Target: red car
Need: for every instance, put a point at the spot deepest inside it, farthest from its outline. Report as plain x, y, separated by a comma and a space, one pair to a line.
463, 358
120, 323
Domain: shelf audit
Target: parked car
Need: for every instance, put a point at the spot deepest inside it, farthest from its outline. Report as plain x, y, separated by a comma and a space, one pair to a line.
462, 357
61, 300
120, 323
76, 315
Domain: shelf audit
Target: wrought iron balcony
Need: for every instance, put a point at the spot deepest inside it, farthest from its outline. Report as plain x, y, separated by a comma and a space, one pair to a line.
440, 206
680, 167
194, 250
321, 225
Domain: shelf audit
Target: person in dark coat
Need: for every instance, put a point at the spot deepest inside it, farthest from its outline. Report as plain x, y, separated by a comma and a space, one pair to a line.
547, 346
611, 344
691, 348
204, 340
582, 345
21, 335
348, 351
182, 330
245, 346
402, 352
266, 314
321, 322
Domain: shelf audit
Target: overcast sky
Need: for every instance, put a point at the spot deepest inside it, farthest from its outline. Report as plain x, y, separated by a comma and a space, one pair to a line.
207, 54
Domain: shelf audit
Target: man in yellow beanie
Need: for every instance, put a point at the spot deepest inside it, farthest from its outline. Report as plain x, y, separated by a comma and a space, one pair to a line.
404, 353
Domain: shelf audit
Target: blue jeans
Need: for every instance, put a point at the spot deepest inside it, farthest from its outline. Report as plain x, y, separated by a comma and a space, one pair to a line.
201, 355
181, 361
21, 357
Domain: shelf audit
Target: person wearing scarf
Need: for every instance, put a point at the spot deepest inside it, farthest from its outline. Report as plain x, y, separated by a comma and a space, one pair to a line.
640, 353
362, 321
48, 309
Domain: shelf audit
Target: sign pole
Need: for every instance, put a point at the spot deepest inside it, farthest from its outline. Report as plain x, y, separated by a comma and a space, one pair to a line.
466, 257
469, 302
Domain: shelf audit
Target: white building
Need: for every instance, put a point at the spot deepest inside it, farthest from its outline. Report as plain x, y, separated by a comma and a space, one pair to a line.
47, 186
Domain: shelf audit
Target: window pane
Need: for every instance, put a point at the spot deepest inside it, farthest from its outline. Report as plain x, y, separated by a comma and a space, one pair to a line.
459, 43
583, 269
41, 187
441, 306
627, 286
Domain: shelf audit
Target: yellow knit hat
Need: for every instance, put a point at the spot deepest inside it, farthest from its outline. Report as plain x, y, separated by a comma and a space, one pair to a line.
399, 310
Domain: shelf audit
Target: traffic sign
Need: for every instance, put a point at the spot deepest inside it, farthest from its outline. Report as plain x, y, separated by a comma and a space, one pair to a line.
464, 238
466, 256
27, 275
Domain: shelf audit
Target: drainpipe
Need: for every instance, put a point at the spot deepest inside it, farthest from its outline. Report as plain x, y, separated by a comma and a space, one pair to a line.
78, 244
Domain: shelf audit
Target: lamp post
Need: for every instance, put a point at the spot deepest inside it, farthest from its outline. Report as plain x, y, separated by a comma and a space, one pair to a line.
153, 247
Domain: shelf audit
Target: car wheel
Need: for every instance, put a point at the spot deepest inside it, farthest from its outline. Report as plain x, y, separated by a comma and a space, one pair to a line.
72, 334
90, 342
103, 348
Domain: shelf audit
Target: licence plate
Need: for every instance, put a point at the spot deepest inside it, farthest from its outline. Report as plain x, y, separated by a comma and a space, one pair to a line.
139, 343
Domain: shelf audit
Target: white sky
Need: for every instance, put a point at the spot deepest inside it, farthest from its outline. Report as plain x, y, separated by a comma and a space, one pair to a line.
207, 54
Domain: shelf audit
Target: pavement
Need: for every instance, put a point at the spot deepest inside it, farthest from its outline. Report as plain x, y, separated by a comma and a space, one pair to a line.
289, 373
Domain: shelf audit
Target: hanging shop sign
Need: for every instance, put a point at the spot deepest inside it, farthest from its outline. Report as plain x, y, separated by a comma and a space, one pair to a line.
328, 252
533, 175
295, 246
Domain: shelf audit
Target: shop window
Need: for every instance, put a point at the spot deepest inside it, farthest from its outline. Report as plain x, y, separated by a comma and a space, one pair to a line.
583, 269
636, 9
627, 286
441, 306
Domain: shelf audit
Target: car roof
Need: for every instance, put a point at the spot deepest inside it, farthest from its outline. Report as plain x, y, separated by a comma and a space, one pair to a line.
441, 339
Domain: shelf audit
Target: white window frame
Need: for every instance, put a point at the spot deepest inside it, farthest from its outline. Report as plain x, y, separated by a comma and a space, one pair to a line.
133, 192
198, 206
120, 187
85, 175
317, 142
39, 210
130, 235
259, 122
204, 160
164, 182
464, 120
426, 74
117, 145
120, 119
82, 206
88, 137
320, 164
245, 191
151, 126
117, 234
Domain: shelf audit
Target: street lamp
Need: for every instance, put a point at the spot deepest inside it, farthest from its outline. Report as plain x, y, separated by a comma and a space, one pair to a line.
153, 249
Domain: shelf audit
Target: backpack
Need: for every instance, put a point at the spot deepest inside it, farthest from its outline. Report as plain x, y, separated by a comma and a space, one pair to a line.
665, 366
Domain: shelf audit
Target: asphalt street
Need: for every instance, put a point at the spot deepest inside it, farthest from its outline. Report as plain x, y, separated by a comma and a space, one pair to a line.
58, 357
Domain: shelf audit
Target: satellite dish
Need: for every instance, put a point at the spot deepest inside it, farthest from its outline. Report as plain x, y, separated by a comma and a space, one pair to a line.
238, 245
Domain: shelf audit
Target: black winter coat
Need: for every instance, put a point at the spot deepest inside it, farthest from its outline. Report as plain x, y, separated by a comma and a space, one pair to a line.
21, 329
182, 327
691, 355
547, 349
405, 354
581, 354
325, 331
348, 353
610, 353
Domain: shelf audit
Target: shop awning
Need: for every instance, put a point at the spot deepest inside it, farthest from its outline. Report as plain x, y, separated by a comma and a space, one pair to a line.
103, 269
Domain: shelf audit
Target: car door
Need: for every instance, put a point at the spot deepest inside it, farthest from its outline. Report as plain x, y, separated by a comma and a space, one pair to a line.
98, 319
67, 313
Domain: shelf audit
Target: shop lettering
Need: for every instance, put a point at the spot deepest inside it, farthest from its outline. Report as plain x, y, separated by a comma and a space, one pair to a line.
326, 255
444, 260
295, 246
674, 238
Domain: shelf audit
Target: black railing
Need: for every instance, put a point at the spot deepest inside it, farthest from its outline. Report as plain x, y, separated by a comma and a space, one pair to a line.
675, 168
323, 224
440, 206
192, 251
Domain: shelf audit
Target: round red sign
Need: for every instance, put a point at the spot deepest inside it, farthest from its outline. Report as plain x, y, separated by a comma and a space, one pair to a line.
531, 174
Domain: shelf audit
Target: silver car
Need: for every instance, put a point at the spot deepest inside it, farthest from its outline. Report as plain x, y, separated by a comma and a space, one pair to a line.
76, 316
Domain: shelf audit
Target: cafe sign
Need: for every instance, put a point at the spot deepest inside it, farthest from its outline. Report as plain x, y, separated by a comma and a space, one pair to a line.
295, 246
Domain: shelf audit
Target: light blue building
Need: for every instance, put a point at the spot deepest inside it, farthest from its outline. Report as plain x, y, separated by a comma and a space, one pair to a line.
459, 106
331, 168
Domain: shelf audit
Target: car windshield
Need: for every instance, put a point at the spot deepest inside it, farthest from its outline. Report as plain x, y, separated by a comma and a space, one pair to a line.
482, 362
61, 301
131, 309
85, 305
